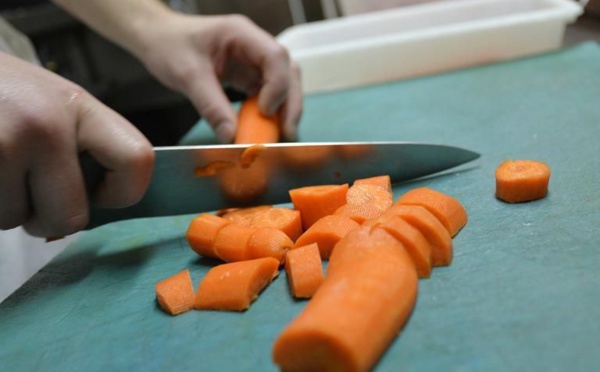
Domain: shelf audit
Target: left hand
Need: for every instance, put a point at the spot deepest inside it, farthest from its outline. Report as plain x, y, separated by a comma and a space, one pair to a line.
197, 55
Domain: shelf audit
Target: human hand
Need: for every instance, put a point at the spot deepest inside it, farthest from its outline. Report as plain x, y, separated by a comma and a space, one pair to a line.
46, 123
197, 55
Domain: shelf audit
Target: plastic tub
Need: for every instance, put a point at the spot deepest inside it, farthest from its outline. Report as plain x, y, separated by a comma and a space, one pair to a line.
424, 39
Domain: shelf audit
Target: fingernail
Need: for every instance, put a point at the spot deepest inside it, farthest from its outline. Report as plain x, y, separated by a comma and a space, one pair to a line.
291, 134
224, 132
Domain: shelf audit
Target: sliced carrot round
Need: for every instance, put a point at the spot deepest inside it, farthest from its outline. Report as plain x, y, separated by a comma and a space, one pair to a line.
520, 181
269, 242
202, 232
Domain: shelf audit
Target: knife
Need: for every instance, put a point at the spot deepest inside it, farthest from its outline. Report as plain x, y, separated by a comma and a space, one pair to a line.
196, 179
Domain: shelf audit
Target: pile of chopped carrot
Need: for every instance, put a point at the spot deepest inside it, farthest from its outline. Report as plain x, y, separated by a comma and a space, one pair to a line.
376, 249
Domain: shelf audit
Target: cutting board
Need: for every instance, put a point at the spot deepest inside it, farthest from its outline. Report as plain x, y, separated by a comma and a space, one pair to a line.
521, 294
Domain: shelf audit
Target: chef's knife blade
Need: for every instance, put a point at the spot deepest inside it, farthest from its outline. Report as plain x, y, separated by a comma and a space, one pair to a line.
195, 179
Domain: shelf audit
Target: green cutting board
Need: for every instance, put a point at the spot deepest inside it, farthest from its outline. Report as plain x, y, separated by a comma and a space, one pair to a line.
523, 292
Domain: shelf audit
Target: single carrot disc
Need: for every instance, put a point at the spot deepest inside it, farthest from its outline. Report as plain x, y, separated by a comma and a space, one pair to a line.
519, 181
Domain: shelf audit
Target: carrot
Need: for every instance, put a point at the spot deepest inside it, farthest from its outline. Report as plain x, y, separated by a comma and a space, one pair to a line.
202, 232
411, 238
250, 154
315, 202
446, 208
231, 242
175, 295
366, 202
436, 234
358, 310
284, 219
234, 286
304, 270
326, 232
244, 185
254, 126
269, 242
520, 181
382, 181
213, 168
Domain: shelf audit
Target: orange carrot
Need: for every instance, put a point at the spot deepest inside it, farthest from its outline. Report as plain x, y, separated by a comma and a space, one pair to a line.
284, 219
520, 181
382, 181
304, 270
315, 202
202, 232
250, 154
254, 126
231, 242
244, 185
269, 242
234, 286
436, 234
358, 310
411, 238
446, 208
326, 232
213, 168
175, 295
366, 202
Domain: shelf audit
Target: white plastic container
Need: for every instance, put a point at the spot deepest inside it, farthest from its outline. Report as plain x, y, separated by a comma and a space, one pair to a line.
424, 39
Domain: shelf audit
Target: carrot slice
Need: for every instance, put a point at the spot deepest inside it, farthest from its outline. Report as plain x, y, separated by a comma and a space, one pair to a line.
436, 234
358, 310
231, 242
244, 185
175, 295
446, 208
254, 126
382, 181
365, 202
315, 202
519, 181
326, 232
284, 219
202, 232
304, 270
234, 286
269, 242
249, 155
411, 238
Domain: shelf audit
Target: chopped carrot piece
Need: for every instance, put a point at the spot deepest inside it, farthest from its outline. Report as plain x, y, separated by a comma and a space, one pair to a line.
519, 181
366, 202
231, 242
446, 208
234, 286
358, 310
269, 242
411, 238
254, 126
202, 232
315, 202
304, 270
175, 295
381, 181
284, 219
326, 232
436, 234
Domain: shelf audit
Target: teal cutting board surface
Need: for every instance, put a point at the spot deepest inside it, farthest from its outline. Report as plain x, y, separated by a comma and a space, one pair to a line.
523, 292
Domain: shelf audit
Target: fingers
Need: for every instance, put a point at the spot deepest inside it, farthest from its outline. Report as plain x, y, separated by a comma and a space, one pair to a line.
207, 95
120, 148
293, 106
13, 189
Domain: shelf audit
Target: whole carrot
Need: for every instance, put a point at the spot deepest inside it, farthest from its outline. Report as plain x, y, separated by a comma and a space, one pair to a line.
253, 126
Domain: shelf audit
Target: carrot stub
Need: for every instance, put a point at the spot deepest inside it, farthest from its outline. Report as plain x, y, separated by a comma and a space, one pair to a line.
326, 232
175, 295
315, 202
234, 286
202, 232
358, 310
447, 209
254, 126
304, 270
519, 181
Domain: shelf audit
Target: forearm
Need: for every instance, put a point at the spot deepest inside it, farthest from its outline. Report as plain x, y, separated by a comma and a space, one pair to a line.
124, 22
